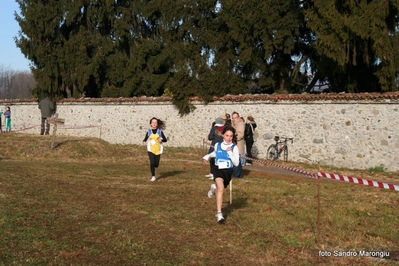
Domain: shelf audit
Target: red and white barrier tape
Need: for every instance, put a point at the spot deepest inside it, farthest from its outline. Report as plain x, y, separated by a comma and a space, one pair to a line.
76, 127
359, 181
25, 128
326, 175
292, 169
58, 127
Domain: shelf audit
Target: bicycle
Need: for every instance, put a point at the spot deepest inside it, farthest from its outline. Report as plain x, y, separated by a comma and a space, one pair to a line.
274, 150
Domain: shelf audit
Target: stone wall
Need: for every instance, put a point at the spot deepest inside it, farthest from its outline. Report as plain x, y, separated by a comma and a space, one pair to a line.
349, 130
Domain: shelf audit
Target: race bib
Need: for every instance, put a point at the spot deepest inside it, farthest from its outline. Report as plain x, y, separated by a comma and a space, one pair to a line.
224, 164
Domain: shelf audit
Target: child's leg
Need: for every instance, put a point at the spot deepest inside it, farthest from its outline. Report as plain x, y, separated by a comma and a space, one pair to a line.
219, 193
8, 124
152, 163
157, 158
211, 163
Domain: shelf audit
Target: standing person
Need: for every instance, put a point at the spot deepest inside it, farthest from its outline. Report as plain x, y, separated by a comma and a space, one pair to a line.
215, 136
239, 126
228, 120
226, 156
153, 139
250, 126
46, 107
7, 115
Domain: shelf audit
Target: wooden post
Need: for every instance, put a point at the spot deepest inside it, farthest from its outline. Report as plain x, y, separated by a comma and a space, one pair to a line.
318, 208
231, 191
55, 121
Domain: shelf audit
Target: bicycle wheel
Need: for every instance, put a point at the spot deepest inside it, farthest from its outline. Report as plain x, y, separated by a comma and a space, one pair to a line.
272, 153
285, 153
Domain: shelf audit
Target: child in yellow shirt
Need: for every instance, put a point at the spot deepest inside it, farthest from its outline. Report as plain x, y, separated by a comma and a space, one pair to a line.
154, 139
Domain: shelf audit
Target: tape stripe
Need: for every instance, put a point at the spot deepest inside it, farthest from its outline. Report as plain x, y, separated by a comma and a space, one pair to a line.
58, 127
360, 181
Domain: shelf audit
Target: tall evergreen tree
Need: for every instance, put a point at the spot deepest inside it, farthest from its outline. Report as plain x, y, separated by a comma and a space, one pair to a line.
192, 30
40, 39
359, 42
259, 42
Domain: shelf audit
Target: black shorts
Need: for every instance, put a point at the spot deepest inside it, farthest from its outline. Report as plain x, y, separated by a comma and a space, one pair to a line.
222, 173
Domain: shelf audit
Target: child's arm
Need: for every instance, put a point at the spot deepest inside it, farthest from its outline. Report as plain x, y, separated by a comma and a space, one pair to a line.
145, 139
234, 156
163, 138
212, 154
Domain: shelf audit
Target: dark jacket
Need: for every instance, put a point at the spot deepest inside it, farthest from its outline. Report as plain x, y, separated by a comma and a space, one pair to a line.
215, 136
46, 106
249, 134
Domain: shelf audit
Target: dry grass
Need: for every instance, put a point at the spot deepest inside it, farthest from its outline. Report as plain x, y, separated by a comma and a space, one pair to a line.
91, 203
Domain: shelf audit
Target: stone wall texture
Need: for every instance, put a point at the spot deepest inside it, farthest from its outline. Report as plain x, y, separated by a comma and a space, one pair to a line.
357, 131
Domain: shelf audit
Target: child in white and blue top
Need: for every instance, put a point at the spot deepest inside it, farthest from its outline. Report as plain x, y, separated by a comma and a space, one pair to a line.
226, 157
153, 140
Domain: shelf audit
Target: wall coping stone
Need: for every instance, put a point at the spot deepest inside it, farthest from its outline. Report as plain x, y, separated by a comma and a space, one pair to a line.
367, 98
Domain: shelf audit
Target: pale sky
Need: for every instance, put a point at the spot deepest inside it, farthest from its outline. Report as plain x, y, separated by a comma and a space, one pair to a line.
10, 55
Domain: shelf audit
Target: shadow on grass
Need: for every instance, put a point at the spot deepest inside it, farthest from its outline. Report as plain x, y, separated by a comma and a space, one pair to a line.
64, 142
238, 203
246, 172
60, 143
169, 174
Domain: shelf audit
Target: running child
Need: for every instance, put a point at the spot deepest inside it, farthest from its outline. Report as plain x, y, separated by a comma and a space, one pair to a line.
226, 155
153, 139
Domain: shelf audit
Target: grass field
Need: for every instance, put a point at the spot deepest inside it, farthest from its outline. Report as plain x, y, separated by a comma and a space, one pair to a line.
88, 202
